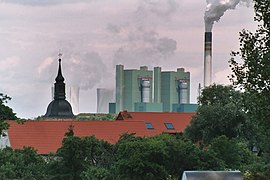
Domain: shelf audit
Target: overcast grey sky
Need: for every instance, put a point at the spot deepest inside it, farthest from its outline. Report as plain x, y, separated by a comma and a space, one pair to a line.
95, 35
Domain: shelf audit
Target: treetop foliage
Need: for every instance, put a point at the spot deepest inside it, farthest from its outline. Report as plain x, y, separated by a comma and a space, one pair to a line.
262, 9
253, 74
6, 113
160, 157
219, 95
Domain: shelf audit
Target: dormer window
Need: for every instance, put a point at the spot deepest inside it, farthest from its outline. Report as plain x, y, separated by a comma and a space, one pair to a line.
149, 125
169, 125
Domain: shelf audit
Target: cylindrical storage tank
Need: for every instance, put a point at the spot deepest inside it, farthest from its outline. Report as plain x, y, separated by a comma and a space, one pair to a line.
145, 90
182, 92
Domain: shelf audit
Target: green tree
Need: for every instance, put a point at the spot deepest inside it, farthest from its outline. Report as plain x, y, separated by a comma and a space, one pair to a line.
96, 173
220, 95
210, 161
78, 155
140, 158
220, 113
21, 164
253, 73
182, 154
233, 153
6, 113
160, 157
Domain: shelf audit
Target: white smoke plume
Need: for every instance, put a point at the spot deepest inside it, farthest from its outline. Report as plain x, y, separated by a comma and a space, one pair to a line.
142, 44
42, 3
83, 69
144, 47
215, 9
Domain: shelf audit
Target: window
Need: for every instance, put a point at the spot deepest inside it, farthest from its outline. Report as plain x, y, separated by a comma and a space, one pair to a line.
149, 125
169, 125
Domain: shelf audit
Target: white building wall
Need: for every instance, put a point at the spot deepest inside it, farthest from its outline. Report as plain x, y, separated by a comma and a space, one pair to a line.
4, 140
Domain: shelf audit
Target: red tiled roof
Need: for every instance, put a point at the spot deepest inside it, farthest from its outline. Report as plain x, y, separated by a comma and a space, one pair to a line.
125, 115
46, 136
157, 119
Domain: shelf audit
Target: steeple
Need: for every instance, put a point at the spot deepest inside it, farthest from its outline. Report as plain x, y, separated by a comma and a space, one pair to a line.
59, 77
59, 85
59, 107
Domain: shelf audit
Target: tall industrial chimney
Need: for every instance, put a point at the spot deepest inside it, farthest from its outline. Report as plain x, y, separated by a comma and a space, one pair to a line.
207, 59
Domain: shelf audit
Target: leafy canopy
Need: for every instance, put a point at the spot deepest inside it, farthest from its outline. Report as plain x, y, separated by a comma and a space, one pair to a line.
6, 113
220, 113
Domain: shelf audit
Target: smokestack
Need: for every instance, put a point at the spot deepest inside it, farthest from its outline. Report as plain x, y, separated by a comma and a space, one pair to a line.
207, 59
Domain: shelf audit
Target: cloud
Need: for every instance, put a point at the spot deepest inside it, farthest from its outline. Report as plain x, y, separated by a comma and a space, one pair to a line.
83, 69
95, 36
220, 77
162, 8
142, 49
43, 2
113, 28
44, 65
10, 65
140, 41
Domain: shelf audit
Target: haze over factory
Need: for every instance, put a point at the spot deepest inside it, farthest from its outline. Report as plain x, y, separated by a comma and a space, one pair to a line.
95, 36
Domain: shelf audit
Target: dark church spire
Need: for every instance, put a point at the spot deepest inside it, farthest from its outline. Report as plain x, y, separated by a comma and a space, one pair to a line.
59, 77
59, 85
59, 107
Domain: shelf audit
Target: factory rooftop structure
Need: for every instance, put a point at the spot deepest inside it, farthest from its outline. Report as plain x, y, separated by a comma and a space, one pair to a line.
46, 136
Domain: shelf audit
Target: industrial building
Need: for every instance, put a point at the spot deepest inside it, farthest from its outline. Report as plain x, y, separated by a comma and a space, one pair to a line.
142, 90
104, 97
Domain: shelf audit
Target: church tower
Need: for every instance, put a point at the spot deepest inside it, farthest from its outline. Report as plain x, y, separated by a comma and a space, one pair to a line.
59, 107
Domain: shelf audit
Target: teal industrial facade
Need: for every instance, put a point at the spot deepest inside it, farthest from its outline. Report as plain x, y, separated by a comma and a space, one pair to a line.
138, 90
